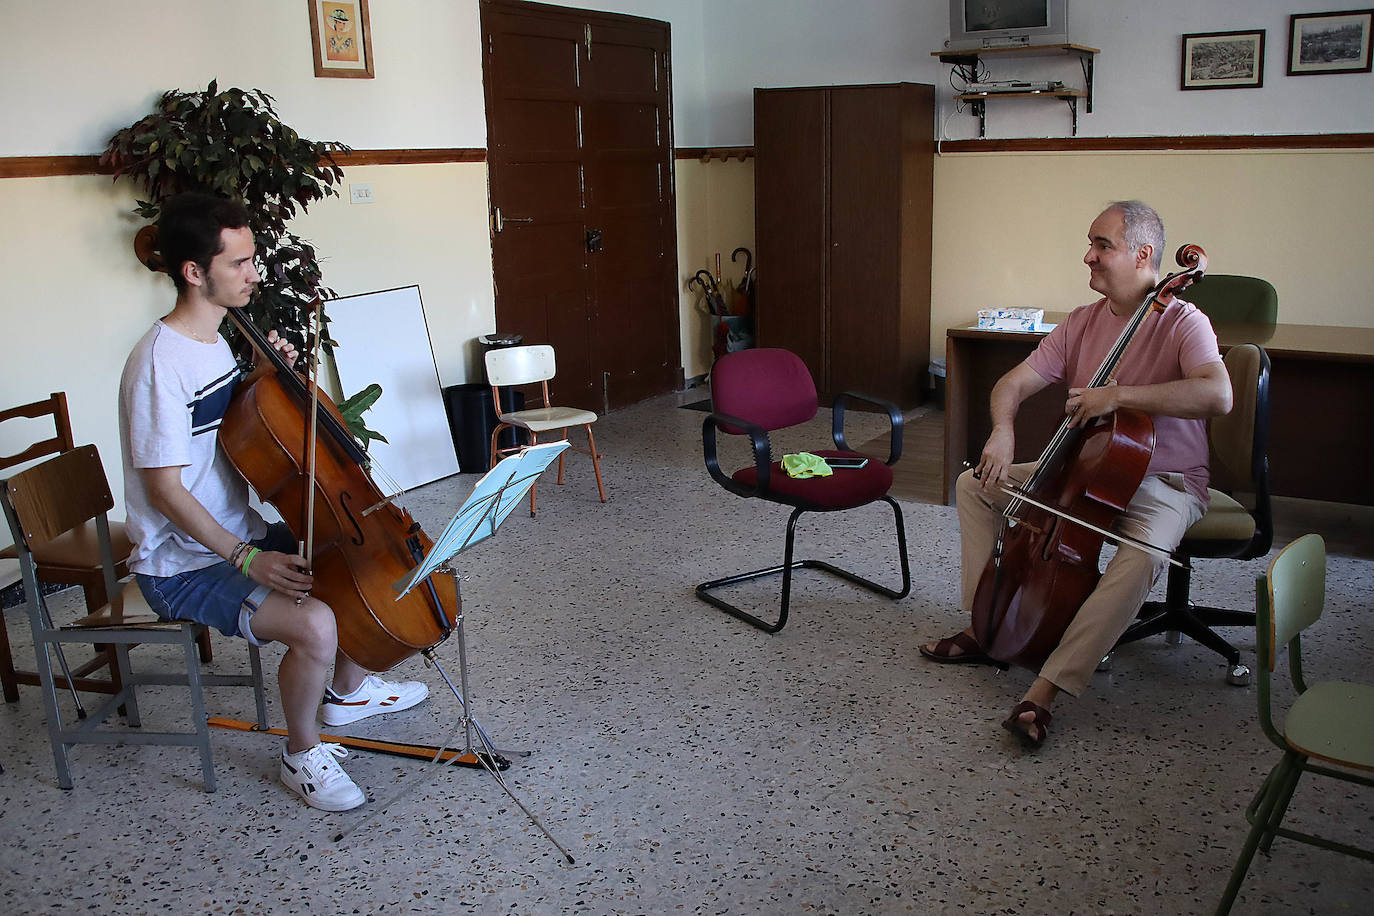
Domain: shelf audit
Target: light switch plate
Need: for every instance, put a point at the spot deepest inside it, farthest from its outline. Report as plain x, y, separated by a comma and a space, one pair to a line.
360, 194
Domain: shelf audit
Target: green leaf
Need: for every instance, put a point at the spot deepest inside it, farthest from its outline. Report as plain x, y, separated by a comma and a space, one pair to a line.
352, 408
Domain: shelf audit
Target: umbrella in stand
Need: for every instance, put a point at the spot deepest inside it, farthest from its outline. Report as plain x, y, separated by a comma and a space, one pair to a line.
714, 300
744, 293
715, 305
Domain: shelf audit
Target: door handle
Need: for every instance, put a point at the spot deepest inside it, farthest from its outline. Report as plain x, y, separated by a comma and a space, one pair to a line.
510, 219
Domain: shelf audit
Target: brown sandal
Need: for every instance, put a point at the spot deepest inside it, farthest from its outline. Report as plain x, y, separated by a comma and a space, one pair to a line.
969, 651
1022, 730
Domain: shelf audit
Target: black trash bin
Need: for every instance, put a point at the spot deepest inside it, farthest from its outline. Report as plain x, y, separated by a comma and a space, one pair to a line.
497, 341
471, 416
471, 419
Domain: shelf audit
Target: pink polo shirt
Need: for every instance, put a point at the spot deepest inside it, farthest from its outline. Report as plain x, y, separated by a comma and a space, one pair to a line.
1168, 346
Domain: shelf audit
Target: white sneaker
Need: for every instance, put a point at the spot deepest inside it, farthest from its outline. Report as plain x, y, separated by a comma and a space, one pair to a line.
374, 697
315, 775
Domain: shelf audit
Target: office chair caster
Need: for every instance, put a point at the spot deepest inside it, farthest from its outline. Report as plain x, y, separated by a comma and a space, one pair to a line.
1240, 675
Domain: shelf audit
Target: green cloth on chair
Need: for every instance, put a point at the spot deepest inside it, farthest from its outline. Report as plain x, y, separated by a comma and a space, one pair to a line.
805, 464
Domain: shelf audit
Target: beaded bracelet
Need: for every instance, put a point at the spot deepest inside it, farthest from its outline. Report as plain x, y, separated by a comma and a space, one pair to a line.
248, 558
237, 553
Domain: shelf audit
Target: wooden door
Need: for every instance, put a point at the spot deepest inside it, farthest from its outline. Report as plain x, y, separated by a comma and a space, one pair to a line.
584, 243
791, 196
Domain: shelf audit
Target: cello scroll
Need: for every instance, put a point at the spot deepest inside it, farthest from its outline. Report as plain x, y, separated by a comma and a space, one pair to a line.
1193, 260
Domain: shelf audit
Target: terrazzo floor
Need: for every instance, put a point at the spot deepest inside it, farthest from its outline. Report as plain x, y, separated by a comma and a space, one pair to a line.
691, 764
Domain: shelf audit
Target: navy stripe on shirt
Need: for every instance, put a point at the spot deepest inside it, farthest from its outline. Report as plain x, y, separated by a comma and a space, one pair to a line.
211, 403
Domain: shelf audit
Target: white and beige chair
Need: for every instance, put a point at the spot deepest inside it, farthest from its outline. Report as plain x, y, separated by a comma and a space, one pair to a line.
516, 366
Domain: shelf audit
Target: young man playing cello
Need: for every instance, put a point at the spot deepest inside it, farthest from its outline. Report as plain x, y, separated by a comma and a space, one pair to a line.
1171, 371
201, 552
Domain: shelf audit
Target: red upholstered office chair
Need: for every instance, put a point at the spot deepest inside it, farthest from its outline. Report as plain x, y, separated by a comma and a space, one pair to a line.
754, 392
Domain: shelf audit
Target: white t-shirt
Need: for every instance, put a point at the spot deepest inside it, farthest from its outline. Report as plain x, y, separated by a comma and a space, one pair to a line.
172, 396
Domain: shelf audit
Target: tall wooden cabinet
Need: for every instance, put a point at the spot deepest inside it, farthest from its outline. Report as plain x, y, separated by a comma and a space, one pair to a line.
843, 196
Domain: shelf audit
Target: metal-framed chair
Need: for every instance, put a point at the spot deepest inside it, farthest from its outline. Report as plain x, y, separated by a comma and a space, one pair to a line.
72, 559
511, 367
1239, 465
50, 499
1329, 721
755, 392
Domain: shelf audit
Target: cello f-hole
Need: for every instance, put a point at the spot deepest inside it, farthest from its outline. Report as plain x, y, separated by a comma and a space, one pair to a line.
344, 500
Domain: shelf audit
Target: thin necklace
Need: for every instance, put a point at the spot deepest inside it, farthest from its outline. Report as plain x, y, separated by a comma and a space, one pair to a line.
192, 334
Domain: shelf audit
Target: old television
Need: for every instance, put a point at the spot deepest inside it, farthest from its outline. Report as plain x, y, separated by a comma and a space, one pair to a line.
978, 24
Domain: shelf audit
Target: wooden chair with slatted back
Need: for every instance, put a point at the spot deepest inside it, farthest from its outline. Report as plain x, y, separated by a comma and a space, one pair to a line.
42, 503
72, 559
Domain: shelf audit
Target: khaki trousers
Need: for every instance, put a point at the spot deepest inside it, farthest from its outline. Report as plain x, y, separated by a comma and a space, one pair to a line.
1160, 513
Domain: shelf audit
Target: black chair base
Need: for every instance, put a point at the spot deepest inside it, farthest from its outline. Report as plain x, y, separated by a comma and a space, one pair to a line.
703, 591
1194, 622
1177, 614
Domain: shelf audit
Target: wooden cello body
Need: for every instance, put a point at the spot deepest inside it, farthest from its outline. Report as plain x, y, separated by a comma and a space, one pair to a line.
357, 554
1044, 564
1048, 566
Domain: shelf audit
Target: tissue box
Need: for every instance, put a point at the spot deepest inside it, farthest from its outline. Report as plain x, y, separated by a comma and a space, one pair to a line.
1010, 319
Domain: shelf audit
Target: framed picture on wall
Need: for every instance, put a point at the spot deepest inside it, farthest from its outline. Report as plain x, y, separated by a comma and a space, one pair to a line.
341, 36
1329, 42
1223, 60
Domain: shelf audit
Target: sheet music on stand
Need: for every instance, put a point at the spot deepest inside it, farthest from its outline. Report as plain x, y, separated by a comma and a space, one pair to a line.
492, 499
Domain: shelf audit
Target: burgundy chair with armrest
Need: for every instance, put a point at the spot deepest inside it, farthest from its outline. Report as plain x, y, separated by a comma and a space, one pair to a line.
755, 392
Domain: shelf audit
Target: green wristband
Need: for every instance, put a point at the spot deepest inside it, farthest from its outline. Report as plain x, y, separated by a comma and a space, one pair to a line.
248, 560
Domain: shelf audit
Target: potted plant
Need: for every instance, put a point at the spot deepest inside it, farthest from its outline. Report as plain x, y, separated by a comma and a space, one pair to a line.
230, 142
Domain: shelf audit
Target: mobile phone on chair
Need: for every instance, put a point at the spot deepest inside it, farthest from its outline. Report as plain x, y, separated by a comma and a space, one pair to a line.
846, 463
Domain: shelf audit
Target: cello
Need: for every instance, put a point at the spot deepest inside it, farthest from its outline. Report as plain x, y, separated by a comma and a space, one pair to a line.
288, 439
321, 483
1045, 560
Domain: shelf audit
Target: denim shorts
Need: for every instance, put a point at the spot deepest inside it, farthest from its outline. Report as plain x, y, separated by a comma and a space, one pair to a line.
218, 595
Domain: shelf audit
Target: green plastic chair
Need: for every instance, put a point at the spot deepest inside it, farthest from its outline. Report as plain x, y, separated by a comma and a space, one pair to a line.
1232, 299
1331, 721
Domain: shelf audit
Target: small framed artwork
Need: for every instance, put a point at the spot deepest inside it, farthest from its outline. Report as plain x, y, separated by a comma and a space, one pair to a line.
1329, 42
1223, 60
342, 38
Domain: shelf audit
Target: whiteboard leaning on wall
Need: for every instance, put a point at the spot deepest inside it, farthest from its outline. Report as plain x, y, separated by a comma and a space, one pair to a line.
383, 338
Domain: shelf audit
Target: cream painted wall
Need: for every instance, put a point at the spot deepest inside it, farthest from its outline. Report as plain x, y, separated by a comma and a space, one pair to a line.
75, 302
85, 300
715, 216
428, 226
76, 71
1011, 228
693, 240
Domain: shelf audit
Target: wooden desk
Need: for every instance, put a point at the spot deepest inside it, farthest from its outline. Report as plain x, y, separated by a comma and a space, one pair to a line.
1321, 391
